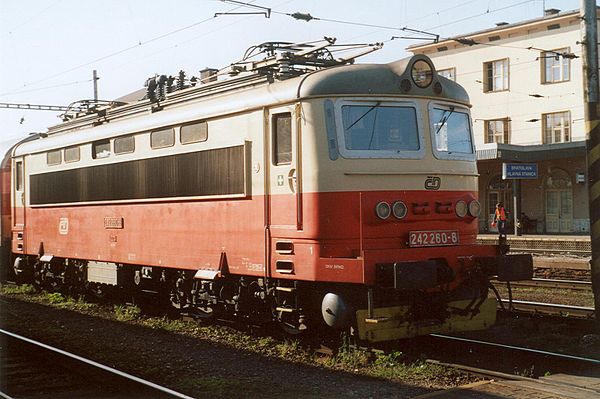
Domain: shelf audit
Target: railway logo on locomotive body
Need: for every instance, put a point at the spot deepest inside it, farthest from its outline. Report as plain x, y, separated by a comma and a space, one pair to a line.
433, 183
63, 226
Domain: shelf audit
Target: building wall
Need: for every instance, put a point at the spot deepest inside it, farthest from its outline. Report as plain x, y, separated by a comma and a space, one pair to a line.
524, 79
534, 192
524, 104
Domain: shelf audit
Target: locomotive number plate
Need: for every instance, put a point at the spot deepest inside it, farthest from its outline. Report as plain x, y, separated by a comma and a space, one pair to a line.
433, 238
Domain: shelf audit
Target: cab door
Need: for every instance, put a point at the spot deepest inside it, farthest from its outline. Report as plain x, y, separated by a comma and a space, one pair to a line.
283, 188
18, 204
285, 175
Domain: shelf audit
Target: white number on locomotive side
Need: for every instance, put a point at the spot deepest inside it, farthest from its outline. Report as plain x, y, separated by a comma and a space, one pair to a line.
433, 238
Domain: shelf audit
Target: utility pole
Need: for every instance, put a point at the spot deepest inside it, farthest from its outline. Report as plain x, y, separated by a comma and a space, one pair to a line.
589, 40
95, 79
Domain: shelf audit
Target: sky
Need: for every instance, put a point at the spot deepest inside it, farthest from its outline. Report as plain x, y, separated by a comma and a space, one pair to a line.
49, 48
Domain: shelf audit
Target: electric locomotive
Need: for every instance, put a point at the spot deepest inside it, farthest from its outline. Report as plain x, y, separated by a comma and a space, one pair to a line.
300, 188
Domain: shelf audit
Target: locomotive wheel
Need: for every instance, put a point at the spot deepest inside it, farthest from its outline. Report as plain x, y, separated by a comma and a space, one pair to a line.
97, 291
179, 294
291, 323
204, 312
177, 300
291, 329
76, 276
38, 276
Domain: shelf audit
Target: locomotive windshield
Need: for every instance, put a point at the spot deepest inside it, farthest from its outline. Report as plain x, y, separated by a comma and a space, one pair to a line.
376, 127
451, 133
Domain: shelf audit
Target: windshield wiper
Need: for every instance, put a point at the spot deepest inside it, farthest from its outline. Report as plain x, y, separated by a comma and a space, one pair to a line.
363, 115
373, 130
444, 119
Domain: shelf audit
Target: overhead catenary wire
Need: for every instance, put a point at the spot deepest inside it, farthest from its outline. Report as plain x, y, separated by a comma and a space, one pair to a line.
138, 45
11, 30
239, 4
46, 87
118, 52
433, 36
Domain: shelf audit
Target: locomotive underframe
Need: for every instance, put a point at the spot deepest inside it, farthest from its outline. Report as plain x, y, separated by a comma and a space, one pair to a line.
389, 310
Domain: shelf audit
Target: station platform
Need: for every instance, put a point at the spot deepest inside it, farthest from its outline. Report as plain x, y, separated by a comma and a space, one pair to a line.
566, 244
559, 386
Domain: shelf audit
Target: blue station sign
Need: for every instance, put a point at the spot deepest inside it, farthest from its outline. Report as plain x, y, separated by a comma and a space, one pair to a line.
519, 171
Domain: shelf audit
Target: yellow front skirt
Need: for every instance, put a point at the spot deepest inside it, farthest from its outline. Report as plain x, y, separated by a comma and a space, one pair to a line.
386, 324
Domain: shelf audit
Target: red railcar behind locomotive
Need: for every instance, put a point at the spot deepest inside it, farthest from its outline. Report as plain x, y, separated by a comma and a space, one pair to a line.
304, 190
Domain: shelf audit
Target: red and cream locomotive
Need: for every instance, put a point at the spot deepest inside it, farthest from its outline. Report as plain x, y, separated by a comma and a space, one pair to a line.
304, 189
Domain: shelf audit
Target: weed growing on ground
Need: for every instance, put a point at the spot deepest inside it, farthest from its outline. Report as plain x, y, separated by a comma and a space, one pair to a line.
56, 298
23, 289
164, 323
127, 312
528, 372
288, 348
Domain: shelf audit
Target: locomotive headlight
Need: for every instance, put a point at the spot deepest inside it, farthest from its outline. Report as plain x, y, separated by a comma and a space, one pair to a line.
474, 208
422, 73
461, 209
399, 209
383, 210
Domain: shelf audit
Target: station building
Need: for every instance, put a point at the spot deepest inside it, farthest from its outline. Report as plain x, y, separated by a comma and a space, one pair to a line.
525, 82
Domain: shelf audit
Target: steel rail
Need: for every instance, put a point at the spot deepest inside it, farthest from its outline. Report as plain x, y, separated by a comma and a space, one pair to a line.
551, 283
553, 251
480, 372
585, 360
552, 309
500, 362
100, 366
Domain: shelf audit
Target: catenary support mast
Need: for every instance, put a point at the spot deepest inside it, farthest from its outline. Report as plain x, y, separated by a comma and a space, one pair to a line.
589, 25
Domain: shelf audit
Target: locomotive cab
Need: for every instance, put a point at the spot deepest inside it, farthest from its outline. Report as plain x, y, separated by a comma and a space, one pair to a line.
394, 203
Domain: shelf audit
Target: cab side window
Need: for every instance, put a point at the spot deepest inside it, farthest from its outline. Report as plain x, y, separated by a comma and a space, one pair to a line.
282, 138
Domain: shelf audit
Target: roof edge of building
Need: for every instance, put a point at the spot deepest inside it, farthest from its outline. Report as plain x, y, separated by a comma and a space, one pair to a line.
501, 28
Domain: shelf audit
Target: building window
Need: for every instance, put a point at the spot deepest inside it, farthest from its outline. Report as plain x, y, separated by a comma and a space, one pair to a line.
194, 132
54, 157
496, 131
495, 76
101, 149
72, 154
449, 73
124, 145
557, 127
555, 67
282, 139
162, 138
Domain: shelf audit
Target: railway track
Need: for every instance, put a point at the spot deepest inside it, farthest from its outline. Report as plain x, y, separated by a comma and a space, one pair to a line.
549, 309
514, 371
500, 360
552, 284
33, 370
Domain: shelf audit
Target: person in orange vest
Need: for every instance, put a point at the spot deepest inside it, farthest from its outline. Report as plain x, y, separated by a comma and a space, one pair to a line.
500, 220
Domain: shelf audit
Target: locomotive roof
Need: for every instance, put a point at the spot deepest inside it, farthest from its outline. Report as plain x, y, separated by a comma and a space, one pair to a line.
377, 79
243, 94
